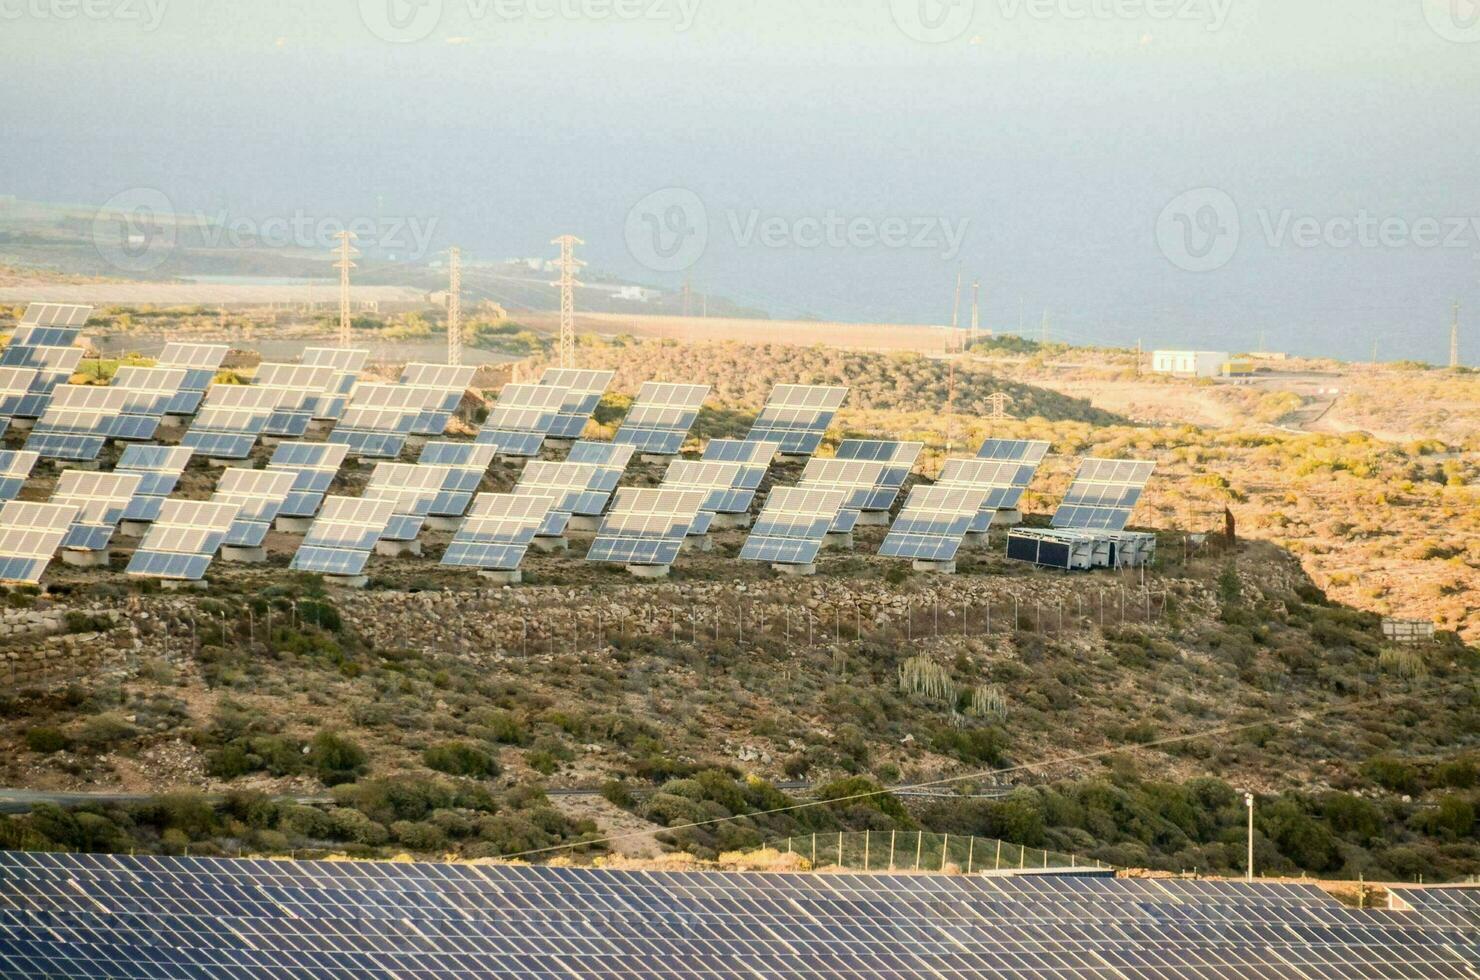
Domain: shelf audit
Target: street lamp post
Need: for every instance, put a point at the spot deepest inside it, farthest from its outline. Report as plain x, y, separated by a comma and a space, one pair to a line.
1249, 803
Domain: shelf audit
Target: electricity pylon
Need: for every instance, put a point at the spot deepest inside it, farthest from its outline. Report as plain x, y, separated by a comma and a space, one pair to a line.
454, 305
1454, 338
347, 252
568, 266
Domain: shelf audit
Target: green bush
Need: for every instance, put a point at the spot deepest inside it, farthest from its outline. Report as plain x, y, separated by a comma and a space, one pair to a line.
105, 732
1392, 774
335, 759
45, 740
461, 759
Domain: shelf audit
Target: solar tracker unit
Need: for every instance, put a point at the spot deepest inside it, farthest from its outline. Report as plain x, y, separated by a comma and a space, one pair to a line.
100, 500
797, 416
1103, 494
183, 540
15, 468
55, 315
646, 528
152, 390
749, 452
576, 488
382, 417
585, 390
230, 420
79, 421
661, 417
259, 496
347, 364
160, 468
1004, 481
314, 466
343, 535
899, 460
604, 454
52, 366
498, 532
523, 417
445, 386
466, 464
200, 362
933, 524
29, 535
20, 394
413, 490
858, 478
793, 525
718, 483
1014, 450
303, 388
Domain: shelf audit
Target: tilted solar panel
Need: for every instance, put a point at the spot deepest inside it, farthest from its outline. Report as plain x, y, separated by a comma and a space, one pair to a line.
793, 525
343, 535
314, 466
15, 468
201, 362
646, 527
604, 454
78, 422
56, 315
661, 417
749, 452
933, 523
412, 489
55, 365
20, 394
30, 534
719, 481
1004, 481
342, 359
100, 500
498, 531
575, 486
859, 478
585, 390
446, 384
1014, 450
183, 539
1103, 494
899, 459
523, 417
467, 464
797, 416
259, 496
152, 390
160, 468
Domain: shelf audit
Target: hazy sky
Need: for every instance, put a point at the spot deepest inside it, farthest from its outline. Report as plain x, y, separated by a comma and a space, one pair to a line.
847, 156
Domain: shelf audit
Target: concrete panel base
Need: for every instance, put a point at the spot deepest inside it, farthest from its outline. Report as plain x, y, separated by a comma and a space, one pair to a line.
936, 567
503, 577
585, 523
795, 571
85, 559
243, 556
549, 545
347, 581
699, 543
1007, 518
731, 522
293, 525
448, 524
648, 571
838, 540
873, 518
133, 529
398, 549
182, 585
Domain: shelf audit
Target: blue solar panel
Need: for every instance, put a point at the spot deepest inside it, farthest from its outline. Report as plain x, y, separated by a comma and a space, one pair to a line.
369, 444
89, 537
512, 443
60, 445
159, 564
219, 445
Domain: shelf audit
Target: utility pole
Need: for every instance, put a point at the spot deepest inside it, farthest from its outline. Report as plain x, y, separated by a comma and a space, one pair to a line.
950, 410
1139, 355
956, 310
347, 253
976, 309
1249, 802
568, 266
454, 305
1454, 339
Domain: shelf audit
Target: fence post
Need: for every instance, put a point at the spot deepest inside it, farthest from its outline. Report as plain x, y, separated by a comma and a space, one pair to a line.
919, 847
840, 849
999, 855
970, 852
945, 850
865, 850
891, 849
814, 850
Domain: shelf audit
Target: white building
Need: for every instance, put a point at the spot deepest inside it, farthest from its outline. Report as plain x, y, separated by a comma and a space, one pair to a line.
1189, 363
639, 294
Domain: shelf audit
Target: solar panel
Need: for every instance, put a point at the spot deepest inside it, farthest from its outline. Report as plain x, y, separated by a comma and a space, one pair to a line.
152, 390
751, 453
79, 421
20, 394
55, 315
381, 417
201, 362
259, 496
55, 364
29, 535
720, 484
498, 531
523, 417
100, 500
585, 390
858, 478
661, 417
1004, 481
797, 416
343, 535
793, 525
1014, 450
412, 489
466, 463
576, 487
933, 523
342, 359
446, 384
646, 527
314, 466
160, 468
899, 459
183, 539
1103, 494
347, 365
45, 336
302, 388
230, 420
603, 454
15, 468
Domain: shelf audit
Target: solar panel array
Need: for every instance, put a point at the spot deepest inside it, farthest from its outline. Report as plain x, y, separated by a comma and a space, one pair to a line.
381, 417
646, 527
22, 395
152, 390
444, 386
259, 496
30, 535
183, 539
899, 460
856, 478
797, 417
305, 391
160, 468
347, 364
15, 469
343, 535
1103, 494
1009, 482
584, 391
200, 363
100, 500
498, 531
718, 481
793, 525
230, 420
55, 315
48, 350
80, 419
575, 487
100, 915
466, 463
314, 466
933, 523
412, 490
522, 418
661, 417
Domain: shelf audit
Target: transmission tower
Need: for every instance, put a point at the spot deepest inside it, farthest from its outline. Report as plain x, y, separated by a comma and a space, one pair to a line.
999, 400
976, 309
347, 252
568, 266
1454, 338
956, 310
454, 305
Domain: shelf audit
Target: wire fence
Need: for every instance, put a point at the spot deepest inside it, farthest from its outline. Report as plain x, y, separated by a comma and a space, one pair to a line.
891, 850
